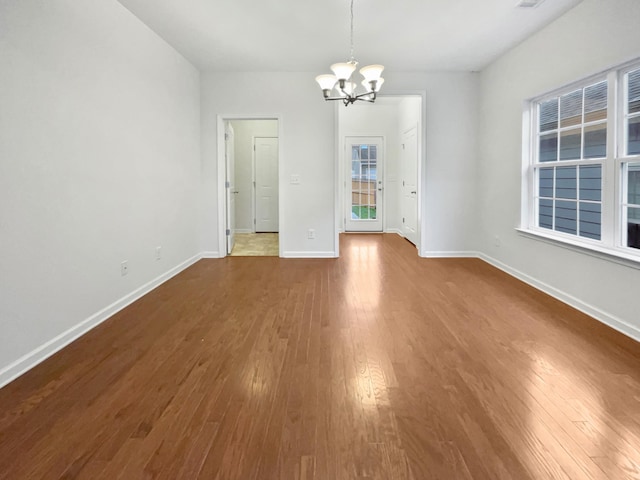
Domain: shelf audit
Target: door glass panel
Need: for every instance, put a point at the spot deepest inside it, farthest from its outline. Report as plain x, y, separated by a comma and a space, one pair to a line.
364, 176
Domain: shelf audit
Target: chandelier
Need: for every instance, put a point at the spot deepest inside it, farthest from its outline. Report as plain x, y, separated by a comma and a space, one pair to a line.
346, 89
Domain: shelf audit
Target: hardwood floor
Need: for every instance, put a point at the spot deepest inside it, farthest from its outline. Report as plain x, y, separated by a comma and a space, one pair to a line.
374, 365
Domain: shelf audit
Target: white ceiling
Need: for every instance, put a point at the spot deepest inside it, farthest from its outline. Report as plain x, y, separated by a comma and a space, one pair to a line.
309, 35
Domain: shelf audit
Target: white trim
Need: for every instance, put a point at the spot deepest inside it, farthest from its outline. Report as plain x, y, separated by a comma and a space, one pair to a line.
608, 254
243, 230
222, 212
309, 254
450, 254
44, 351
603, 317
397, 231
210, 254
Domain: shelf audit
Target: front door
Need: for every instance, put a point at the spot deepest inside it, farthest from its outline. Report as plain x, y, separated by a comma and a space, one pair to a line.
266, 184
364, 184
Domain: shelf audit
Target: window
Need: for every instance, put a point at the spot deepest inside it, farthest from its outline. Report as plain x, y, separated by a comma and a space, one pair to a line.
583, 163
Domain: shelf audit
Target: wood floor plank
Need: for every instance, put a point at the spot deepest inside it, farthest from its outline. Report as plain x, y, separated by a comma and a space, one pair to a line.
376, 365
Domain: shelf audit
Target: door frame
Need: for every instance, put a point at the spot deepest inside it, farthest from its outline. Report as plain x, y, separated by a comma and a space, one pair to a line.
221, 176
422, 162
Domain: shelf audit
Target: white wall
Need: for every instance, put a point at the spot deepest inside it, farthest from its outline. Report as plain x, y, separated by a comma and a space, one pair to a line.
244, 133
99, 163
448, 220
592, 37
309, 148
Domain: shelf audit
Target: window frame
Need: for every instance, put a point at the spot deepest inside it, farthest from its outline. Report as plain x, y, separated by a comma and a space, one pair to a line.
613, 238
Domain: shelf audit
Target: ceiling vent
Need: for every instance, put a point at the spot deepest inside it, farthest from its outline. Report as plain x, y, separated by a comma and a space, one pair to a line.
529, 3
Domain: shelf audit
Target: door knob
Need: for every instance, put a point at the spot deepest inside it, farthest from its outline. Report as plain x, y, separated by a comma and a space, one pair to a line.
413, 193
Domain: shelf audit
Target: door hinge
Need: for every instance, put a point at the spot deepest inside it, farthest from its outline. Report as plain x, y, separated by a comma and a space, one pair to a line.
228, 232
254, 221
227, 184
403, 183
226, 136
402, 219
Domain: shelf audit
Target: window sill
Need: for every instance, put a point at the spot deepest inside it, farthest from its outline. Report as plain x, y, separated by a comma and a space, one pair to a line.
611, 255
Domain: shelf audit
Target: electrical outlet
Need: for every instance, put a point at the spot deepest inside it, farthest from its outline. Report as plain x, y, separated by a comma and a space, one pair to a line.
124, 268
158, 253
311, 234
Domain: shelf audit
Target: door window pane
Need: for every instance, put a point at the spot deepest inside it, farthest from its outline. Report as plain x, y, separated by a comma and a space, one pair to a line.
363, 182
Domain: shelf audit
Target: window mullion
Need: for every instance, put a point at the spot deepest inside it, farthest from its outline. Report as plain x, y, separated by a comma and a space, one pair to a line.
610, 175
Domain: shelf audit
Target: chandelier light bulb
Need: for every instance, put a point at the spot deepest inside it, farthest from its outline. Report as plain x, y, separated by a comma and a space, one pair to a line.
327, 81
371, 72
367, 85
343, 70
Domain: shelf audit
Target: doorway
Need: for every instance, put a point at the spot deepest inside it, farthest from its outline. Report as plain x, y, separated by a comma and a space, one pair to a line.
380, 147
250, 186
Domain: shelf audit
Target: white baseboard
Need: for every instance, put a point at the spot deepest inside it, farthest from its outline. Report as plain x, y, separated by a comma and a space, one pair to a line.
450, 254
394, 230
243, 230
604, 317
210, 254
44, 351
310, 254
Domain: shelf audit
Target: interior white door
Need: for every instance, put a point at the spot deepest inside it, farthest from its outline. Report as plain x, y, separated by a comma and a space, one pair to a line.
364, 184
409, 174
230, 185
266, 184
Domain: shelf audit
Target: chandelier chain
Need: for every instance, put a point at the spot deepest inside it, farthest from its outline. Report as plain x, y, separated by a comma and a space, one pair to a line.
352, 59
